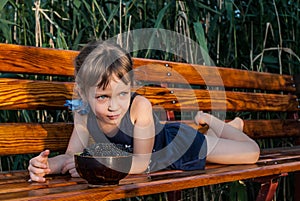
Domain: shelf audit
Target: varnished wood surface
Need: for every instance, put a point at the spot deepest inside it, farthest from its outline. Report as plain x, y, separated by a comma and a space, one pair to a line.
272, 128
258, 129
32, 60
14, 186
25, 59
36, 94
175, 72
33, 94
179, 99
24, 138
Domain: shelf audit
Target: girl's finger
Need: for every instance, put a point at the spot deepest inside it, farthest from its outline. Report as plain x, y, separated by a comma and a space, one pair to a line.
73, 172
45, 153
38, 164
68, 165
34, 177
35, 170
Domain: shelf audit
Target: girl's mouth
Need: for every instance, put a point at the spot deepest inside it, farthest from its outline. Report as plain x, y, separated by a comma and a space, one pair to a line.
113, 117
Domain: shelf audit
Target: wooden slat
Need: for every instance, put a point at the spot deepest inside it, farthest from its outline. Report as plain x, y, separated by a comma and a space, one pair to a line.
187, 99
24, 138
25, 59
20, 138
272, 128
15, 176
258, 129
33, 94
272, 162
156, 70
30, 94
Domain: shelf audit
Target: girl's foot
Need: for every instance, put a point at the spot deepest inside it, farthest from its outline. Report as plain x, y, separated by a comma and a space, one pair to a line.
237, 123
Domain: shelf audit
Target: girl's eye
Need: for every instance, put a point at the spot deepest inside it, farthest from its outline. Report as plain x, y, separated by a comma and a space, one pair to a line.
123, 93
101, 97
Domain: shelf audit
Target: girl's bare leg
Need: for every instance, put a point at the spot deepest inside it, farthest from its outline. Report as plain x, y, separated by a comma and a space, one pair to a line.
226, 143
237, 123
232, 130
227, 151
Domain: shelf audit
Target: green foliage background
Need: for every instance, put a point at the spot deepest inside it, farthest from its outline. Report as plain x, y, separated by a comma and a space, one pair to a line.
257, 35
262, 35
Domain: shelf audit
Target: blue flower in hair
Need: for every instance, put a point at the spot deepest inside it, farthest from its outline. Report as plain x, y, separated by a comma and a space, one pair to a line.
78, 106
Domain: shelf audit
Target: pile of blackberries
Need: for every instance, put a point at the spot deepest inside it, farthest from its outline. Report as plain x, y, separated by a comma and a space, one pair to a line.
107, 149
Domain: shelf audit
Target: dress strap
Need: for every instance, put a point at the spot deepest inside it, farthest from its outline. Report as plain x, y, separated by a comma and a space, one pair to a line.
133, 95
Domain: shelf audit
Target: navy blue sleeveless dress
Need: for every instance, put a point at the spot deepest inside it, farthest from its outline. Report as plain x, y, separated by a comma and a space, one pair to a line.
176, 146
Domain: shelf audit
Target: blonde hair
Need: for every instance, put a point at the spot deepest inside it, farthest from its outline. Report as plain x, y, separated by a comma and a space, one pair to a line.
98, 62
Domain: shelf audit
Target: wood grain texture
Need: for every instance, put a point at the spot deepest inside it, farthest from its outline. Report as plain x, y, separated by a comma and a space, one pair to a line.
35, 94
197, 99
25, 138
32, 60
174, 72
258, 129
272, 128
25, 59
272, 162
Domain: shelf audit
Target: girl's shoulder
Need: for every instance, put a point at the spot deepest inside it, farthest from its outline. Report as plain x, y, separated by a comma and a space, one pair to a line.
140, 106
141, 101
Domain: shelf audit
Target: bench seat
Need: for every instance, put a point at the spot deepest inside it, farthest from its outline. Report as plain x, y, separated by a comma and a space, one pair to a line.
14, 185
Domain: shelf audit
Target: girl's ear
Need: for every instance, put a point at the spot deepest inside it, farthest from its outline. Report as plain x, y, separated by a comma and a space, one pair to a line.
78, 94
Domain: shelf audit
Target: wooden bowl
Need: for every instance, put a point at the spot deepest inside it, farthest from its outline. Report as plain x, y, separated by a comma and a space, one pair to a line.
103, 170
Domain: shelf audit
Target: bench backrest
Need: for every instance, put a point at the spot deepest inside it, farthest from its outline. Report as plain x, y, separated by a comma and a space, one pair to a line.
41, 79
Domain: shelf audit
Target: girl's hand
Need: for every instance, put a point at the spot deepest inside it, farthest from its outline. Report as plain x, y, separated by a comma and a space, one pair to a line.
202, 118
39, 167
69, 166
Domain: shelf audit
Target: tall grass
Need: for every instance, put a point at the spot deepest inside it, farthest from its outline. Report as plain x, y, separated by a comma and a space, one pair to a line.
255, 35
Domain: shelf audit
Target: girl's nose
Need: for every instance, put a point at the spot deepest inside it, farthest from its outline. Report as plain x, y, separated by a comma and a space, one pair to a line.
113, 105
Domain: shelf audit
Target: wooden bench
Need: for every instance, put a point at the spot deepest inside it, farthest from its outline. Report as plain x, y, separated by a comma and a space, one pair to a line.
266, 101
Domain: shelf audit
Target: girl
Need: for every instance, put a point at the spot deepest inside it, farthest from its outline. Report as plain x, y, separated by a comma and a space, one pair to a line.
109, 112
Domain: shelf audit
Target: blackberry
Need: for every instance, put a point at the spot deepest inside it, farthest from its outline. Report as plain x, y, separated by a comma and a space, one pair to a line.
107, 149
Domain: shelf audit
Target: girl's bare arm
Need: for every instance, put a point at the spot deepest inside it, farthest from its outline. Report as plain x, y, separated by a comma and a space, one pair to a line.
41, 165
144, 134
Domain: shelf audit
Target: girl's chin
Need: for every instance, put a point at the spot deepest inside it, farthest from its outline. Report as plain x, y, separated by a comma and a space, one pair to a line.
109, 120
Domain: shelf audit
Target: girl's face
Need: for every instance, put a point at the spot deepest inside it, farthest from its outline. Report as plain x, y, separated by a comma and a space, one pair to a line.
110, 104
